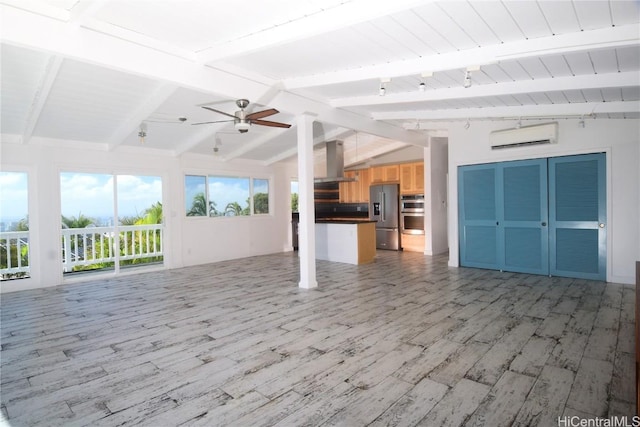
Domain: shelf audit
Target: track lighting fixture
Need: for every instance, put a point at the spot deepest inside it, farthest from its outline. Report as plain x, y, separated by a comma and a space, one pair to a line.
581, 122
519, 124
425, 75
142, 132
382, 91
467, 79
467, 124
467, 75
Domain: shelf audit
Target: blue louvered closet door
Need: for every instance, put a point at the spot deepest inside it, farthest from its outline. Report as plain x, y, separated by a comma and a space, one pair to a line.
543, 216
523, 229
478, 196
503, 216
577, 218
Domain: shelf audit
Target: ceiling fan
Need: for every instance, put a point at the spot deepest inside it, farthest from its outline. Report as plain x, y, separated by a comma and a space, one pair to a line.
243, 121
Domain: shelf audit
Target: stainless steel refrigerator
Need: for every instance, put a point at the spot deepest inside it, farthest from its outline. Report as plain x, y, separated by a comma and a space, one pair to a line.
384, 208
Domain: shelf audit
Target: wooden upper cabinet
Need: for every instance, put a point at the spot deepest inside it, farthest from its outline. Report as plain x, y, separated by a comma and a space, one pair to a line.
418, 174
409, 175
406, 178
377, 174
412, 178
391, 173
348, 189
364, 180
355, 191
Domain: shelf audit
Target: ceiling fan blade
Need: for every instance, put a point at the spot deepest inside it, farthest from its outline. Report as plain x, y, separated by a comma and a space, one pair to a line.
218, 111
206, 123
270, 123
261, 114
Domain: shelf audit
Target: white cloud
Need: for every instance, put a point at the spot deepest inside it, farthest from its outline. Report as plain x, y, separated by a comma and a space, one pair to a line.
14, 196
92, 194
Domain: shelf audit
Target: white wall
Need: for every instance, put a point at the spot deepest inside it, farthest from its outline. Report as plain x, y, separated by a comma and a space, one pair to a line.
619, 139
188, 241
436, 166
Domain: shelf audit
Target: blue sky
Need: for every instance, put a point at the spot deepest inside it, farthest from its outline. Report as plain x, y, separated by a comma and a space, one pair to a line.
92, 194
89, 194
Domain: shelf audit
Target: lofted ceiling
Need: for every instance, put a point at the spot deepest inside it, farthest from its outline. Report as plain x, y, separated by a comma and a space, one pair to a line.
95, 71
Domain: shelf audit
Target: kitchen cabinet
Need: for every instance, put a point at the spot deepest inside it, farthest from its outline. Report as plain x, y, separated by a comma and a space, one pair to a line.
413, 242
388, 173
352, 242
391, 173
364, 181
355, 191
377, 174
348, 189
412, 178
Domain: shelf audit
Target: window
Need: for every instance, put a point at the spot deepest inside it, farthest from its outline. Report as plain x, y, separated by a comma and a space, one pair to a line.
14, 226
110, 221
294, 196
195, 190
228, 196
260, 196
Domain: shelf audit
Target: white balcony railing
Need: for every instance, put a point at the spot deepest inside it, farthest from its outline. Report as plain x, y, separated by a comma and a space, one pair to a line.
86, 248
14, 254
97, 245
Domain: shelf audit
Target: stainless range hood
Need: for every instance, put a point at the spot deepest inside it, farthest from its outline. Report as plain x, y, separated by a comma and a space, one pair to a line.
335, 163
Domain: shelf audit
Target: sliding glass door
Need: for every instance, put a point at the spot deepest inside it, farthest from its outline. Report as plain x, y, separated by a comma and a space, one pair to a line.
110, 221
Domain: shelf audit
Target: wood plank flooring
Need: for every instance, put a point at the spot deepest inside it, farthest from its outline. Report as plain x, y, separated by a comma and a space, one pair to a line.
403, 341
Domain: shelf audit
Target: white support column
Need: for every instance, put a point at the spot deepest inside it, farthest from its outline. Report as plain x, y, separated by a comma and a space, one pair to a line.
307, 232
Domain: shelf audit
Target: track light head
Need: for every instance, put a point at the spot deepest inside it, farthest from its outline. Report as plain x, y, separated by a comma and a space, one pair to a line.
422, 87
382, 91
467, 79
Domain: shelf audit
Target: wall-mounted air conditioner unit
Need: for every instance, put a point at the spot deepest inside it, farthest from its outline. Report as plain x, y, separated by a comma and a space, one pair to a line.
526, 135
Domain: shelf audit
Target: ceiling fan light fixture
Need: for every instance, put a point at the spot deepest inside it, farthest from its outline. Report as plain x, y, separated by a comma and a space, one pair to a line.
242, 125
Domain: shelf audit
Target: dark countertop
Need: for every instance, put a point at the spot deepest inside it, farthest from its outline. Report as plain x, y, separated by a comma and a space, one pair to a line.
343, 221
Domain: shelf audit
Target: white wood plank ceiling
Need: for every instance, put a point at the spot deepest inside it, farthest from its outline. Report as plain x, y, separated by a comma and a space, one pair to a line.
94, 70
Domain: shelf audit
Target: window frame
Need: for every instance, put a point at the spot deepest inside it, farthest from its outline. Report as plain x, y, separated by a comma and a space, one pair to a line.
251, 179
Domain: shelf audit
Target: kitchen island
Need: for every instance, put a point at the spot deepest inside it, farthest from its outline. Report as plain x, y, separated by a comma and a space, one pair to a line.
351, 241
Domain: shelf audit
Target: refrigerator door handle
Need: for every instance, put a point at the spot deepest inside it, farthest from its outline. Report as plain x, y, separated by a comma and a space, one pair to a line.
383, 206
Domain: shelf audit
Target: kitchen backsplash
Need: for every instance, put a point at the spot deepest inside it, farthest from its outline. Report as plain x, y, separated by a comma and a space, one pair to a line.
342, 210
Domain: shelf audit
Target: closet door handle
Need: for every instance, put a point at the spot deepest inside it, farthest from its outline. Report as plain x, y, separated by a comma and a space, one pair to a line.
544, 224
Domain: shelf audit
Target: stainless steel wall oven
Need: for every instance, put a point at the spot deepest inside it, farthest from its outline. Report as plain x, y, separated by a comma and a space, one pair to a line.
412, 214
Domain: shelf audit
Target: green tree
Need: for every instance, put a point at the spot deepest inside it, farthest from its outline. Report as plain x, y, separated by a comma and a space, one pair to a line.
233, 209
129, 220
152, 215
23, 224
294, 202
199, 206
261, 203
80, 221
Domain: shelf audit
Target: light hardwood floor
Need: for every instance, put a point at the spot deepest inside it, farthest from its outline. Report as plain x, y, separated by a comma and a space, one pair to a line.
403, 341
